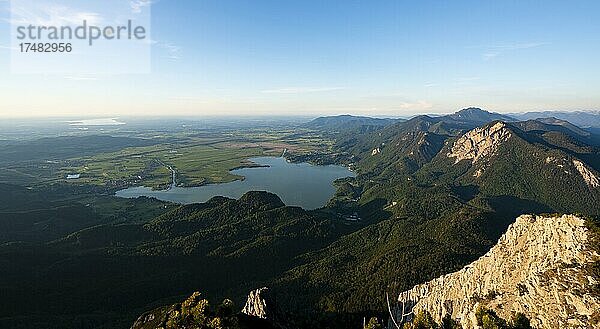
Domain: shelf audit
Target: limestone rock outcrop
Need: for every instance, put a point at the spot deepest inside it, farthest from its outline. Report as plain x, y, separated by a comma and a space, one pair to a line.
541, 267
590, 179
260, 304
479, 142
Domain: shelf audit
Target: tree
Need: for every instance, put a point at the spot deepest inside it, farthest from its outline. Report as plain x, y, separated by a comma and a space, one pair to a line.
520, 321
449, 323
374, 323
423, 320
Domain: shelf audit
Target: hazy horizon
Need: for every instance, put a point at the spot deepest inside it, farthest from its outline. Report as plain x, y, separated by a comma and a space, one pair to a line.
75, 118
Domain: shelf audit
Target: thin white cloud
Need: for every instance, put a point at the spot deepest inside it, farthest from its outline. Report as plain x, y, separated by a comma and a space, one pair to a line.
494, 51
173, 51
52, 15
420, 105
137, 6
516, 46
301, 90
81, 78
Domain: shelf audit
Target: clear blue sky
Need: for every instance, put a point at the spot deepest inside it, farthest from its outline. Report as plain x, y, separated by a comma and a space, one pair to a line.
390, 58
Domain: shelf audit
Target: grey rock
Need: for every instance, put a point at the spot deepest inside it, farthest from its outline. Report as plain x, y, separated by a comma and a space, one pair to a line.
539, 267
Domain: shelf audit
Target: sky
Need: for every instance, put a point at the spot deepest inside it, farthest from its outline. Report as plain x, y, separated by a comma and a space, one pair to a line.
378, 58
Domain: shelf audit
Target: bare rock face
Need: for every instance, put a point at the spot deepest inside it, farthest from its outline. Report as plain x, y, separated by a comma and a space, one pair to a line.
479, 142
540, 267
259, 304
590, 179
262, 306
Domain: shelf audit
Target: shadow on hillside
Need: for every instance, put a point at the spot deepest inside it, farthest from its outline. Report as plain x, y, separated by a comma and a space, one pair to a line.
507, 208
374, 210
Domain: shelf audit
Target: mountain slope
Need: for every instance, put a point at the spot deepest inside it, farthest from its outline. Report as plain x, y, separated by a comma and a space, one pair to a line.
540, 267
484, 167
565, 124
499, 159
585, 119
109, 274
406, 146
400, 148
441, 214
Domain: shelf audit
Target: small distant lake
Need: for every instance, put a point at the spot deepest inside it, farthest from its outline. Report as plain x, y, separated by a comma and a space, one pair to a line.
297, 184
96, 122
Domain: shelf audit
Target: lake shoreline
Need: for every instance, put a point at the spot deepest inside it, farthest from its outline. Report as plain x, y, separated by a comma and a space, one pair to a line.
272, 174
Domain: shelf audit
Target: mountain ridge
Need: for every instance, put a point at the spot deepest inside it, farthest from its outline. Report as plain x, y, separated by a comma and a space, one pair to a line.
477, 115
588, 119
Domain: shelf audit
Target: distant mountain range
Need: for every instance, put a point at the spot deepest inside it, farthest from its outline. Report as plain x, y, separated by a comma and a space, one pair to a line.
472, 115
584, 119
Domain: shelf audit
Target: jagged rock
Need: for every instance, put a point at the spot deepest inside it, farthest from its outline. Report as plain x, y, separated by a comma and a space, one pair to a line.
540, 267
143, 320
192, 313
587, 175
196, 312
260, 304
479, 142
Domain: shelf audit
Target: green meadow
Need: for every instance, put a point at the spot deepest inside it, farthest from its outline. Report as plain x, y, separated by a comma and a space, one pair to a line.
196, 161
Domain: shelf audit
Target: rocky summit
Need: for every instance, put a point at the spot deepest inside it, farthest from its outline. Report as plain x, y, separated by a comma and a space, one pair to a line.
542, 267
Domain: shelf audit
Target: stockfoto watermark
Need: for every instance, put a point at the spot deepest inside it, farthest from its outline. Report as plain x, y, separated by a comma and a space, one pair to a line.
80, 36
85, 31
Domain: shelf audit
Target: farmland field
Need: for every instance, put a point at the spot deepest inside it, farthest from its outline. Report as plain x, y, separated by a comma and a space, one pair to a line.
198, 157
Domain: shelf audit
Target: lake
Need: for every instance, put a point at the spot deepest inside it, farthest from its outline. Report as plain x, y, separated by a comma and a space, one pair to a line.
297, 184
